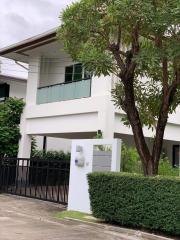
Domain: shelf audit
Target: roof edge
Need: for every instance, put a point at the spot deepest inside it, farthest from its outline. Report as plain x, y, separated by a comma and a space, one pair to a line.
14, 78
29, 42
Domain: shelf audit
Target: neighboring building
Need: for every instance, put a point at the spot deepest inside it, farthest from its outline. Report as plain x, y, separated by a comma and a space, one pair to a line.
63, 101
12, 87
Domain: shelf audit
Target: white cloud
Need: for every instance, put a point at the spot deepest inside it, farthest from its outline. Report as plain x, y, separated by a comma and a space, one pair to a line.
20, 19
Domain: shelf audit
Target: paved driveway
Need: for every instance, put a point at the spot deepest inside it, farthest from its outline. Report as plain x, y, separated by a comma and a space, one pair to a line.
27, 219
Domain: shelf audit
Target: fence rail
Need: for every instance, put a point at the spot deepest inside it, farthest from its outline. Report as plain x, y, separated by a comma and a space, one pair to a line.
35, 178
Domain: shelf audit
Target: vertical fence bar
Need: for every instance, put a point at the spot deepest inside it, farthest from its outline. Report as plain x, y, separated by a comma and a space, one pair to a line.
41, 180
35, 165
47, 179
58, 185
1, 166
27, 176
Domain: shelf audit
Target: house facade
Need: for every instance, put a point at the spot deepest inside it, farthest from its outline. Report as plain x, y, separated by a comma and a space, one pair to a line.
64, 101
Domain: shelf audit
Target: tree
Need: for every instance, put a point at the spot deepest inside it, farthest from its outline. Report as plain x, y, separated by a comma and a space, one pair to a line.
138, 41
10, 113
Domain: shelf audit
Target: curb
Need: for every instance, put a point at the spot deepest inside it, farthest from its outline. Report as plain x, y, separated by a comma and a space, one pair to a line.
129, 232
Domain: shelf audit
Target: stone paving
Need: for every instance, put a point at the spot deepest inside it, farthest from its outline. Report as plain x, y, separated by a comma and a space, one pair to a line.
29, 219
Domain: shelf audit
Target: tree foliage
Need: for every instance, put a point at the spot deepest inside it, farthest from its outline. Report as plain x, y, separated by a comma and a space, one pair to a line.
131, 163
138, 42
10, 113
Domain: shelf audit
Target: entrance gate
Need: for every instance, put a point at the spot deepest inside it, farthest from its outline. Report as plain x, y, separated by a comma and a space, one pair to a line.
35, 178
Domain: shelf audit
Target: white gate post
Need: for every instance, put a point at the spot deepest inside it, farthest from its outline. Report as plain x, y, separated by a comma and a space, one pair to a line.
82, 164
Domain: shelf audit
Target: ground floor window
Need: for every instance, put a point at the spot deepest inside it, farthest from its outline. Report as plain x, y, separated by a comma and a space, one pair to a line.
4, 91
176, 155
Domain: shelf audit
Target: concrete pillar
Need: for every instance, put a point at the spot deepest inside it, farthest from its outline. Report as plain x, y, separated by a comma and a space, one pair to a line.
25, 140
32, 86
25, 146
33, 80
82, 163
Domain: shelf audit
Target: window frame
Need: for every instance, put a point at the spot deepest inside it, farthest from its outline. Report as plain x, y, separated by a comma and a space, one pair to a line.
73, 73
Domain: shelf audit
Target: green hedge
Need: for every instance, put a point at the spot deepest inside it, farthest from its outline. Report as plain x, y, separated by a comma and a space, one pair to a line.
51, 155
136, 201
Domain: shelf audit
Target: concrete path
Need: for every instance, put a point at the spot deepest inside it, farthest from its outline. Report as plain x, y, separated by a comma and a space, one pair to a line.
28, 219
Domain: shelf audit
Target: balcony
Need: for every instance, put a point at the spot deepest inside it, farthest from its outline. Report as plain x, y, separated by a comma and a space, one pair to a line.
64, 91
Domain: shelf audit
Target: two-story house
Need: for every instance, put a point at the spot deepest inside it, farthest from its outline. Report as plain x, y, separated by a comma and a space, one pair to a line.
64, 101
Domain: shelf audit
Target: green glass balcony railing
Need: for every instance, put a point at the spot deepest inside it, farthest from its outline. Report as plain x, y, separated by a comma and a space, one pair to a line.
64, 91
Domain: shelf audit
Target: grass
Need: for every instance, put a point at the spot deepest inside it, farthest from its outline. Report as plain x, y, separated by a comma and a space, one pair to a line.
75, 215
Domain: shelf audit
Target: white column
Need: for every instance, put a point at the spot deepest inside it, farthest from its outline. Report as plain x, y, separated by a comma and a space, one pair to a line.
33, 80
116, 156
24, 146
25, 140
78, 198
32, 86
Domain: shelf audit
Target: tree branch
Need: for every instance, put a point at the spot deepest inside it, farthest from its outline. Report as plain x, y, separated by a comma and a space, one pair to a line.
116, 53
119, 37
167, 100
165, 75
130, 62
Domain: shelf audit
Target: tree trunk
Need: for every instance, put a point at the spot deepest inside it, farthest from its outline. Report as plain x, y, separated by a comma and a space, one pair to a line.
149, 169
161, 125
135, 122
158, 142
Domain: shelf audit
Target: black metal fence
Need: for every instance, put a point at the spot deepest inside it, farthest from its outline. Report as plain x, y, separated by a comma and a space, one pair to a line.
36, 178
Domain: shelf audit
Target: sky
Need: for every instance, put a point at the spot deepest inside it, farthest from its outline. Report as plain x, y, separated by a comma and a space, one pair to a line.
21, 19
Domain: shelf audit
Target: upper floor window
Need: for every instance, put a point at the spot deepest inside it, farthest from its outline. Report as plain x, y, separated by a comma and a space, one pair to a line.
4, 91
76, 72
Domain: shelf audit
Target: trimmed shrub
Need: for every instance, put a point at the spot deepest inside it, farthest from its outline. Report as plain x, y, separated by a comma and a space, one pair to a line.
136, 201
51, 155
10, 114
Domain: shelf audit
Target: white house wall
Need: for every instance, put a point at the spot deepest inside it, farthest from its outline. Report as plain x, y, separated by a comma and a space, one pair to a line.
53, 71
17, 89
172, 131
63, 124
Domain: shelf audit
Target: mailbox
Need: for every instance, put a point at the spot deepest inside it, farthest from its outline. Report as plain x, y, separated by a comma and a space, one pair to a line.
79, 160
